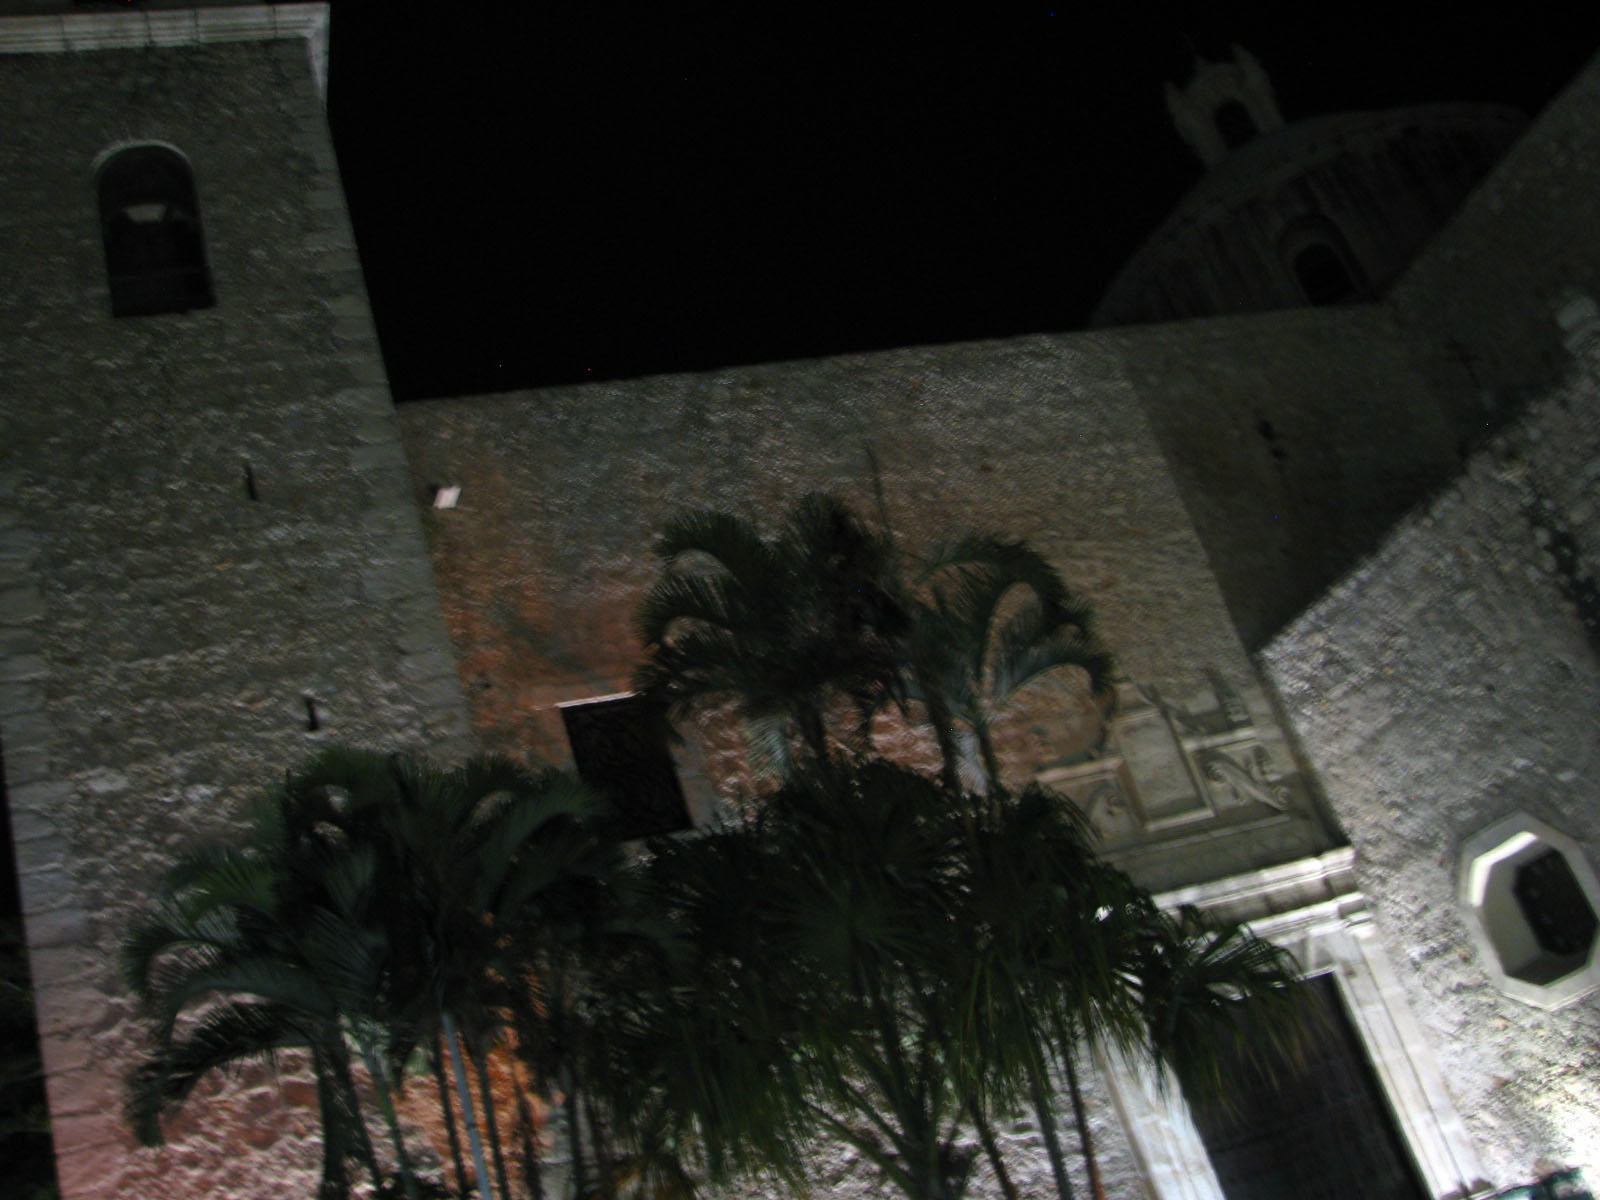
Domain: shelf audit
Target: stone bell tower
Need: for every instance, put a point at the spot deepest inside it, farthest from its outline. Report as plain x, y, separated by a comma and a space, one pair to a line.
210, 557
1223, 106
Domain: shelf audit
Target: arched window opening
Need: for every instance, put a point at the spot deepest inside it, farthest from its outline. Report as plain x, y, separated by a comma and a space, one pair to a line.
1320, 263
1235, 124
1322, 275
150, 224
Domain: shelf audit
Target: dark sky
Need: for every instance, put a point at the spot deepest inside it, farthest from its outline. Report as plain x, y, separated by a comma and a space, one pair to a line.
546, 195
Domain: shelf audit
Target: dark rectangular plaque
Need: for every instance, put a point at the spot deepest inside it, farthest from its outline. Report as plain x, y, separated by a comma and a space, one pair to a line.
620, 751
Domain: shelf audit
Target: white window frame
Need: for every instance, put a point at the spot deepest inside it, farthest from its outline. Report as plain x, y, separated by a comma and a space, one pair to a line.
1505, 942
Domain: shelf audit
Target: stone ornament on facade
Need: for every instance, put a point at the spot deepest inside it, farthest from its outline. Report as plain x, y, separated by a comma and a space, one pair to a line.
1166, 765
1247, 781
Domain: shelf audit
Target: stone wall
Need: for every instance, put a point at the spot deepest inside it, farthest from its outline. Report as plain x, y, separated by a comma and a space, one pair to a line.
161, 632
842, 1173
547, 555
1295, 438
1448, 683
1479, 298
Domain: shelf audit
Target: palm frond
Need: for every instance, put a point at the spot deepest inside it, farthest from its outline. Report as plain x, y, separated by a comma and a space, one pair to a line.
223, 1037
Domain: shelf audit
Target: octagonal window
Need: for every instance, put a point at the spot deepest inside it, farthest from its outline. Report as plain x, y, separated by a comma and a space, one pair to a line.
1532, 900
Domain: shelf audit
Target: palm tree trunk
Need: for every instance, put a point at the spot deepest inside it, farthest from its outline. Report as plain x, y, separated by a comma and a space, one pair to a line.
339, 1063
528, 1139
932, 697
480, 1062
436, 1061
335, 1183
1082, 1119
939, 718
468, 1117
991, 1148
603, 1165
569, 1089
813, 733
380, 1082
1047, 1127
991, 761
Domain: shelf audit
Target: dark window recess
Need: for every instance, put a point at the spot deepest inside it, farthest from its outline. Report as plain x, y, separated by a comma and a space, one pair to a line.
1323, 276
1317, 1128
1235, 124
1553, 903
619, 746
150, 223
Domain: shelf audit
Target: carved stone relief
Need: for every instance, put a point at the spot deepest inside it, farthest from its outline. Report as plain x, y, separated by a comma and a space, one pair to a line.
1163, 765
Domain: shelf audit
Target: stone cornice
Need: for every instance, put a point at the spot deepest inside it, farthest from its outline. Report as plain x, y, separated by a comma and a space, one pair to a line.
76, 32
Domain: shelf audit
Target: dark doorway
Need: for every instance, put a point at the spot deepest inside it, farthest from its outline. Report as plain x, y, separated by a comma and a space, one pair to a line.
1321, 1128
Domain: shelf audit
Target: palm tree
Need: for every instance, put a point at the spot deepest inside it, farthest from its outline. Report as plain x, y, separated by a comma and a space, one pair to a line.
784, 627
335, 811
882, 965
374, 904
1195, 978
699, 1059
227, 975
975, 623
825, 930
466, 859
831, 611
1040, 971
594, 947
991, 618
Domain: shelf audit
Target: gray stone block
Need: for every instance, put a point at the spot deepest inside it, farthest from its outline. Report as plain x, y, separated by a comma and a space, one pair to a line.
20, 605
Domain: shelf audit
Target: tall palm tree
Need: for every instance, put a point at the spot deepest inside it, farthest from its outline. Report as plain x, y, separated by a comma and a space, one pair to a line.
226, 974
964, 631
592, 946
1040, 972
372, 905
825, 929
700, 1057
830, 611
992, 617
784, 627
465, 858
1195, 978
341, 808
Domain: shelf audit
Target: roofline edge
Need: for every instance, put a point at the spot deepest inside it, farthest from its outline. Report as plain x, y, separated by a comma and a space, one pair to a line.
76, 32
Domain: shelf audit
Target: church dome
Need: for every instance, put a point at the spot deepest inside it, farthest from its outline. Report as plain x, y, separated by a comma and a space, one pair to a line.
1324, 211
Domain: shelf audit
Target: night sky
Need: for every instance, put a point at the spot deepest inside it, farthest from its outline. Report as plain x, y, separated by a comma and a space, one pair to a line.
544, 196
